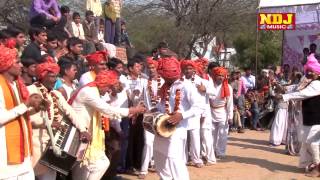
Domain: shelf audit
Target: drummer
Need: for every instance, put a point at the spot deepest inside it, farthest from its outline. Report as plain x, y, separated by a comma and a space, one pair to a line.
176, 99
151, 99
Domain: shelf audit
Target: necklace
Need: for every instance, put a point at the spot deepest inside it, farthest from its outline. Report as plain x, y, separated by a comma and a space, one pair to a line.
44, 93
154, 99
176, 100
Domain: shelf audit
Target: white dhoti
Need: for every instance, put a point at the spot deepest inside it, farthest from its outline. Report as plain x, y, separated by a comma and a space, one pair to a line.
93, 171
195, 146
279, 127
207, 150
309, 152
220, 137
169, 156
147, 151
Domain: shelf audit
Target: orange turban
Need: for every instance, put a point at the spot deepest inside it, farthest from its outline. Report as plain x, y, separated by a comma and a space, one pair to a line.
169, 67
151, 61
185, 63
97, 57
7, 57
106, 78
44, 68
221, 71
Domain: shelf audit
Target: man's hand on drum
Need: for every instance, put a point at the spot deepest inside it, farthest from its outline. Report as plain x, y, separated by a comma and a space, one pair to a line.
175, 118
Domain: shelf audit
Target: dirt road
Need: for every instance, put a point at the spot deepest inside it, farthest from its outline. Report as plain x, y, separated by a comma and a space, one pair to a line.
249, 157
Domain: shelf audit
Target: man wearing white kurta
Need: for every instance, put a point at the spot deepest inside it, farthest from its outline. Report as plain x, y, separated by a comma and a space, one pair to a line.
177, 100
97, 62
151, 98
222, 110
88, 104
15, 155
207, 148
188, 67
310, 96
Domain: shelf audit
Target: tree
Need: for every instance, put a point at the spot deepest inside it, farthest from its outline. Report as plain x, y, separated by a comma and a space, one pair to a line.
269, 51
192, 20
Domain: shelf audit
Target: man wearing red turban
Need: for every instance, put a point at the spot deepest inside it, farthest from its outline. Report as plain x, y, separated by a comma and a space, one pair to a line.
15, 127
189, 68
222, 108
87, 103
97, 62
202, 65
47, 73
151, 99
179, 100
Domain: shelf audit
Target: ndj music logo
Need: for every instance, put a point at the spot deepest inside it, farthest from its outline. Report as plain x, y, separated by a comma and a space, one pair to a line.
276, 21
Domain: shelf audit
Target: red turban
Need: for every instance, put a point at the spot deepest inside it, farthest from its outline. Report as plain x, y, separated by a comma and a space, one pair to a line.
169, 67
151, 61
221, 71
44, 68
7, 57
97, 57
106, 78
185, 63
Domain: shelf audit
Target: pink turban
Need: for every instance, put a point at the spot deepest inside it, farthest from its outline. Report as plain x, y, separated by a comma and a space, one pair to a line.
312, 64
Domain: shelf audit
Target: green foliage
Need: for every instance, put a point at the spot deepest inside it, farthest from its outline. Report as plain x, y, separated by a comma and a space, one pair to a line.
269, 49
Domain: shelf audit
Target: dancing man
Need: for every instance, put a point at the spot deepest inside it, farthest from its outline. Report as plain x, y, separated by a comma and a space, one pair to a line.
88, 104
310, 96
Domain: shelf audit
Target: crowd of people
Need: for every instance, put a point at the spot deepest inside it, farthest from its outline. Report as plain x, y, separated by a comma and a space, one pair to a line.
68, 72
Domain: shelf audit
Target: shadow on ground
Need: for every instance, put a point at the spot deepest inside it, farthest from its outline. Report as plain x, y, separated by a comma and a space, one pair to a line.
263, 163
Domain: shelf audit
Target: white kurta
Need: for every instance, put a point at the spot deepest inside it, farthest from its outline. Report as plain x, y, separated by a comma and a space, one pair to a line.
194, 122
207, 149
169, 152
279, 127
147, 152
309, 151
20, 171
222, 111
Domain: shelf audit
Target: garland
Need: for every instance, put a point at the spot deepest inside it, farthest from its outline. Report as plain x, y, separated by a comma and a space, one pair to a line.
44, 93
154, 99
176, 103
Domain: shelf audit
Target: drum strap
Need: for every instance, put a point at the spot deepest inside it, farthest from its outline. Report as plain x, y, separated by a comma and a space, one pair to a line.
56, 150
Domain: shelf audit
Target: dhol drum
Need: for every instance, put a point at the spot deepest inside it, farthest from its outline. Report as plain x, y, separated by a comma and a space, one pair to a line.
157, 123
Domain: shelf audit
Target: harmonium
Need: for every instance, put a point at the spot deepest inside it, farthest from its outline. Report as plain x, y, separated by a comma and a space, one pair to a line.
72, 149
